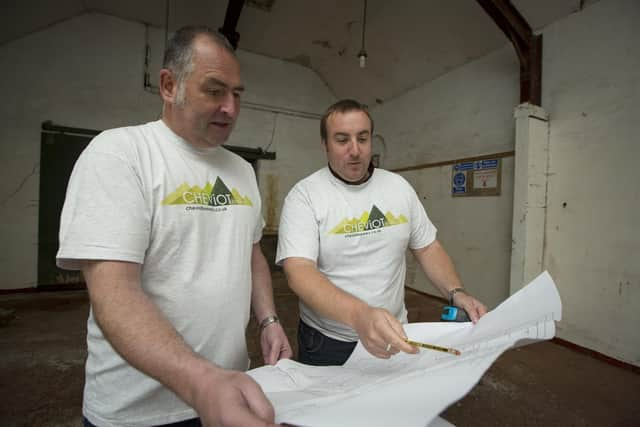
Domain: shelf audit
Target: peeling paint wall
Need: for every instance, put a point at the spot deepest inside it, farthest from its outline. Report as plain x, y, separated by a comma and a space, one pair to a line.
87, 72
591, 86
294, 136
73, 74
475, 231
467, 112
592, 238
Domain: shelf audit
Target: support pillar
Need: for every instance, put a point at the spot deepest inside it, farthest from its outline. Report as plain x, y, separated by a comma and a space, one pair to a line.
529, 194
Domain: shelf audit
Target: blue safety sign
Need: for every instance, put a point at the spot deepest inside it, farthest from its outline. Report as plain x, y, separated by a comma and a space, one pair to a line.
458, 190
463, 166
489, 164
477, 177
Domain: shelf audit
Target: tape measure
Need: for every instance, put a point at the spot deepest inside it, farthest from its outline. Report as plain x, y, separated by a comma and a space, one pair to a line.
452, 313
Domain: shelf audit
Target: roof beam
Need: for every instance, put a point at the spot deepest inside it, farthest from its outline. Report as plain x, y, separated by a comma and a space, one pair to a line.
528, 46
231, 18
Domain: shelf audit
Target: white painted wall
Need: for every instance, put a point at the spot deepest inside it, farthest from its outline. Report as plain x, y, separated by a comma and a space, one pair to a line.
592, 244
476, 232
295, 139
467, 112
87, 72
591, 87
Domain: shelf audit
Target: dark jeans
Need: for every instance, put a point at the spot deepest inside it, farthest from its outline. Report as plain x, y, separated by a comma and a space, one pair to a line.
315, 348
193, 422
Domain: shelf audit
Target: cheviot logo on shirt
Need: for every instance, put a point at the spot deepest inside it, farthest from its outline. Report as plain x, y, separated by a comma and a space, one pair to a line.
368, 221
217, 194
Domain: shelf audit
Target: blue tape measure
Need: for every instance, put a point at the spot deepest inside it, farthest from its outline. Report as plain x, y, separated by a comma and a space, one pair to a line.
452, 313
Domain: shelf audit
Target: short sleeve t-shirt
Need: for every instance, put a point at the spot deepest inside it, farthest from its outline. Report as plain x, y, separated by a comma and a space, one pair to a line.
190, 216
358, 236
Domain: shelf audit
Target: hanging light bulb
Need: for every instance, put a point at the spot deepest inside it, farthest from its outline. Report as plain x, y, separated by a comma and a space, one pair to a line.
362, 55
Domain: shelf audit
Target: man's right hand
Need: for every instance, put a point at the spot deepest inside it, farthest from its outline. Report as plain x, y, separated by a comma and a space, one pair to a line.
135, 327
376, 327
380, 332
226, 398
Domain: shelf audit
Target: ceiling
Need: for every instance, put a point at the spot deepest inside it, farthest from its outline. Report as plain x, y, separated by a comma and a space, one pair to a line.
408, 42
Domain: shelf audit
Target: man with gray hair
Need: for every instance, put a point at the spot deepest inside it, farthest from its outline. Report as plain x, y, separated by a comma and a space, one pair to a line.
165, 225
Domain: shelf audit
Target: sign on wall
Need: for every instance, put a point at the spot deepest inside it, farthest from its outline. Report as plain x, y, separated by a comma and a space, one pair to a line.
476, 178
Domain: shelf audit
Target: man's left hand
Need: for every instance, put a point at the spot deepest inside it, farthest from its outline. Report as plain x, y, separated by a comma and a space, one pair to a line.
274, 344
474, 308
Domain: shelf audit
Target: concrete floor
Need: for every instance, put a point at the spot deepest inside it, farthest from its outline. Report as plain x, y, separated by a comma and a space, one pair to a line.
42, 337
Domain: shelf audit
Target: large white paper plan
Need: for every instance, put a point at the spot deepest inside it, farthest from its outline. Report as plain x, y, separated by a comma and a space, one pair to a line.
410, 390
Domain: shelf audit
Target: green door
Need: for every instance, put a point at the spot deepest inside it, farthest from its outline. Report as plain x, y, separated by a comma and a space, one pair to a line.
58, 154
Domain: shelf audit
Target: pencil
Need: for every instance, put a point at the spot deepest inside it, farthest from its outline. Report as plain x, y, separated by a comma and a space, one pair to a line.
433, 347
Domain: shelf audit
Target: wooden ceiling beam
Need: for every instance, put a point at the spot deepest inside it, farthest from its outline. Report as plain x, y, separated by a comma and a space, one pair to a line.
231, 18
528, 46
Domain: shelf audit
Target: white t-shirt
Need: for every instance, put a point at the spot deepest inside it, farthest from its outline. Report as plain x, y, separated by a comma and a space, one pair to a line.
357, 235
190, 217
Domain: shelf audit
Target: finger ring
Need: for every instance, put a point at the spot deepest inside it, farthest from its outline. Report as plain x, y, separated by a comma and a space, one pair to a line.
388, 348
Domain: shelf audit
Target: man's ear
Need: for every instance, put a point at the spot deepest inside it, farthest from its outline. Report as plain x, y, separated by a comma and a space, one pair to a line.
168, 86
323, 142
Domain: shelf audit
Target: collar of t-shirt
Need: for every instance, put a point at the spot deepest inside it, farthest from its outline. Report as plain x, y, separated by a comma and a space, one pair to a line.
184, 145
363, 181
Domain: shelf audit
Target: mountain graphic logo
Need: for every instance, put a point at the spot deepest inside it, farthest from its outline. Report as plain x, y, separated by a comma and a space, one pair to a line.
217, 194
371, 220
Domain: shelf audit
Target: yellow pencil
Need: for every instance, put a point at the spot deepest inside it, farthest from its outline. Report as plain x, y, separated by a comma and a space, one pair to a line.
433, 347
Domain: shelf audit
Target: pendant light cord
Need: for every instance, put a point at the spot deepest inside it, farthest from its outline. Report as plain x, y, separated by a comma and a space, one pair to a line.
364, 22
